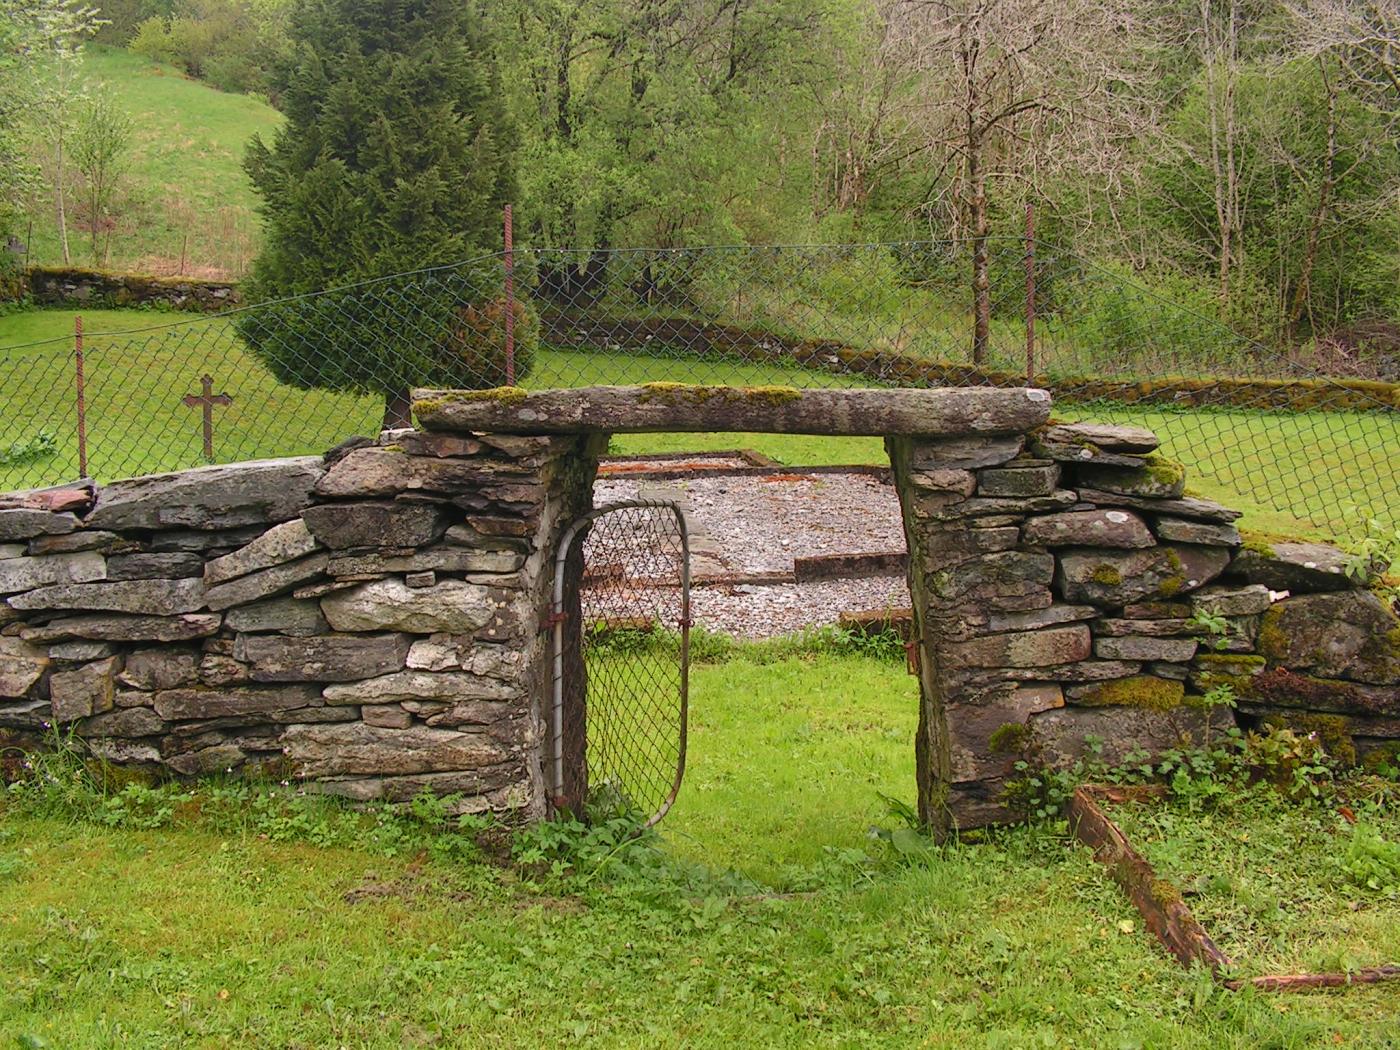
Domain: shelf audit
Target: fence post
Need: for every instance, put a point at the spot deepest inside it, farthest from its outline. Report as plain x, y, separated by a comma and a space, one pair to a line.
510, 300
81, 380
1030, 292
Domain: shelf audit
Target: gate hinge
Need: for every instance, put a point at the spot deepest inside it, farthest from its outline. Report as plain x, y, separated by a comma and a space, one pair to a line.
554, 619
913, 660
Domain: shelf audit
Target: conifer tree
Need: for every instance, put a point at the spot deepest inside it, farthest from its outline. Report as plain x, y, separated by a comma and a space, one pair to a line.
395, 157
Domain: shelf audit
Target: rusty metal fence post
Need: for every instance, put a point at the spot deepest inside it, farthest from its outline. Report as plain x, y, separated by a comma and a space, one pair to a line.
81, 381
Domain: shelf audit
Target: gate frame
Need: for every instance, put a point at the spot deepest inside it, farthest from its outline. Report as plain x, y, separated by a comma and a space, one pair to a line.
559, 620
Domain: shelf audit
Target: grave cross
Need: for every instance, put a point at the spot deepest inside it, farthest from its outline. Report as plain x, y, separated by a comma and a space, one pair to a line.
207, 400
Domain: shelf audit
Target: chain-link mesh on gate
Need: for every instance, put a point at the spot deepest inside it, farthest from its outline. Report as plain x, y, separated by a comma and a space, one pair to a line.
1301, 434
622, 632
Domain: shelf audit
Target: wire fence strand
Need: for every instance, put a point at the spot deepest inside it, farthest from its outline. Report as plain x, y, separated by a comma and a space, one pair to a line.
1302, 440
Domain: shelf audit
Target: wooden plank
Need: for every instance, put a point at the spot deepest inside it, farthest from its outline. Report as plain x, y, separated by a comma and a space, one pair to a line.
677, 407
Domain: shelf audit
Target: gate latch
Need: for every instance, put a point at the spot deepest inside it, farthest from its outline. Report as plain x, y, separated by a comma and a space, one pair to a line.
913, 661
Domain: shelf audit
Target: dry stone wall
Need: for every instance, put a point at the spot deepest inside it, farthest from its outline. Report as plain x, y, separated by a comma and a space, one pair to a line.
1063, 584
374, 622
369, 621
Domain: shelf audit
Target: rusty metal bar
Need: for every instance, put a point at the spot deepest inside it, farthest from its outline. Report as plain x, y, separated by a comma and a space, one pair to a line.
510, 298
81, 380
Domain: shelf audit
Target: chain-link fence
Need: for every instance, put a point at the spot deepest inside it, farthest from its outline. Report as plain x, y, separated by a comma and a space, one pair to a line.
1301, 440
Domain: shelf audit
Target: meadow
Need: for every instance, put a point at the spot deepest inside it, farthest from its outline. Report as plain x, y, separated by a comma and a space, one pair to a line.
764, 915
1292, 473
185, 195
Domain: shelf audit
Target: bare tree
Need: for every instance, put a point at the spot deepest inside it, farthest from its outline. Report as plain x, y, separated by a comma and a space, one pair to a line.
1014, 89
101, 147
1364, 35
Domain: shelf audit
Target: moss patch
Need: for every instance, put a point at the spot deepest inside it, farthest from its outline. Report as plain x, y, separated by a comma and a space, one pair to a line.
1009, 739
693, 394
1145, 691
1163, 471
1106, 575
1272, 643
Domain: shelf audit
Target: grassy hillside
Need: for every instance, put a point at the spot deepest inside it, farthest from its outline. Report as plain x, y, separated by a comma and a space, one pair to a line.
186, 193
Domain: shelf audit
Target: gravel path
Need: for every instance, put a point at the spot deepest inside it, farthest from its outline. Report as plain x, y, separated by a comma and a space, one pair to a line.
747, 525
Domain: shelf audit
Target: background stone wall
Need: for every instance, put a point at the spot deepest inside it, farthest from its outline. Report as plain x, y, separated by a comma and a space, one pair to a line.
1062, 587
78, 287
370, 621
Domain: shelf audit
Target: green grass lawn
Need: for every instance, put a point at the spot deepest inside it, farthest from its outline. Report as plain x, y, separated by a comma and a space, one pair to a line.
1271, 884
1304, 473
218, 933
186, 190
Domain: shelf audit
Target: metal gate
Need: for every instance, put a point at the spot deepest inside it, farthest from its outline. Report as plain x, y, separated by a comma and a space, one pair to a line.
621, 659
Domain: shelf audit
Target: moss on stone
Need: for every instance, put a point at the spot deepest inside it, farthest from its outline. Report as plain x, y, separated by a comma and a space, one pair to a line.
1009, 738
506, 394
1272, 642
1107, 575
1332, 731
690, 393
1207, 661
1256, 543
1385, 755
1162, 470
1171, 585
1145, 691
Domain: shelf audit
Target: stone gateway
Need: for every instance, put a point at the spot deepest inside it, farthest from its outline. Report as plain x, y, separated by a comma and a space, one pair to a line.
374, 622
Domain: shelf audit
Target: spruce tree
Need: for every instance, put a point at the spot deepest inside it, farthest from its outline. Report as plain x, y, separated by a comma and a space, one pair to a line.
395, 157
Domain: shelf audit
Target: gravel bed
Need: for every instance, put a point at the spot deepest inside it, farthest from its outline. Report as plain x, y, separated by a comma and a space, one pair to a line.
760, 524
754, 611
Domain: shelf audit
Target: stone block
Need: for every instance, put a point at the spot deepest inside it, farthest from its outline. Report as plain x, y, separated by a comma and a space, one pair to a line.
1179, 530
21, 666
1029, 649
125, 722
493, 537
81, 651
291, 616
446, 652
219, 670
1112, 578
452, 607
25, 574
189, 704
277, 546
204, 540
1018, 481
222, 758
1142, 647
1186, 507
987, 738
1111, 437
25, 715
87, 690
152, 669
419, 580
954, 482
378, 524
267, 583
439, 559
357, 749
386, 716
127, 628
1159, 479
421, 685
1036, 618
1301, 568
964, 453
1088, 528
495, 787
172, 566
424, 443
23, 524
1179, 627
371, 472
82, 540
1062, 734
218, 497
1232, 601
321, 658
1158, 610
983, 506
151, 597
1344, 634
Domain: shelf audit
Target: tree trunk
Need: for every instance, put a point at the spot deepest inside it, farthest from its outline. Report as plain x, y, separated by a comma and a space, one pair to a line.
58, 195
1302, 293
981, 282
398, 409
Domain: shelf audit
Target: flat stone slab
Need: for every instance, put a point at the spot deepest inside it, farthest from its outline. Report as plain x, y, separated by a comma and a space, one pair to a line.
679, 407
219, 497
